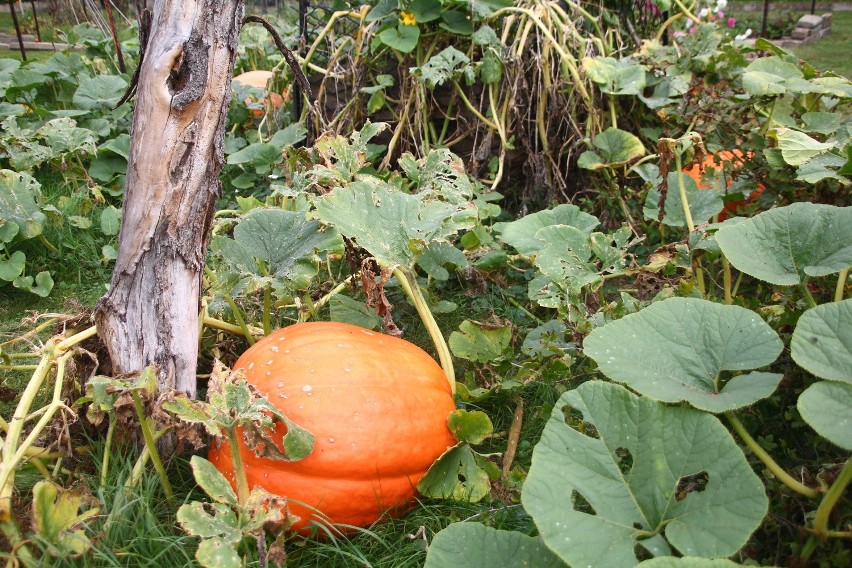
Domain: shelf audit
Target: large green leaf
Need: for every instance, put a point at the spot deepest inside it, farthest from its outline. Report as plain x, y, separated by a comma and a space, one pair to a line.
480, 343
643, 474
615, 76
101, 91
614, 147
402, 38
783, 246
676, 350
473, 545
522, 234
566, 256
797, 147
18, 195
691, 562
282, 245
392, 226
827, 407
822, 341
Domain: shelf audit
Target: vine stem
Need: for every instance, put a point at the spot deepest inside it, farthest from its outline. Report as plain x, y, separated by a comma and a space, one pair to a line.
830, 500
229, 327
151, 444
809, 298
770, 463
238, 315
682, 188
412, 290
239, 470
841, 285
726, 278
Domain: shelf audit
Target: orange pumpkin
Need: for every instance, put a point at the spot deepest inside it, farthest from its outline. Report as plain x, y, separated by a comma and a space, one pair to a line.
726, 159
259, 79
378, 406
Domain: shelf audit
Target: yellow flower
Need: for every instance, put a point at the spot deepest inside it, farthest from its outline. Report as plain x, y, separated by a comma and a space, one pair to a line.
408, 19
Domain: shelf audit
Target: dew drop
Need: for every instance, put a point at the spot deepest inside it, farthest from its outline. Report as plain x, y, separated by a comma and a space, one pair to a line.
340, 345
274, 349
251, 365
269, 362
331, 440
307, 388
280, 384
268, 373
347, 370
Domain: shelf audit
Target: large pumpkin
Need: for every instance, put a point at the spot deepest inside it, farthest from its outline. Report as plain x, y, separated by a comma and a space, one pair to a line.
377, 405
727, 159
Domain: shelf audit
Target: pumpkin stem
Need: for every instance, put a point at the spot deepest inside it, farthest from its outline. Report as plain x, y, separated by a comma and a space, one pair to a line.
151, 444
412, 290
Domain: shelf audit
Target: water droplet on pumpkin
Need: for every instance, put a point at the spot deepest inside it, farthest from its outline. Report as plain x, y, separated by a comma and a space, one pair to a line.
274, 349
307, 388
286, 351
269, 362
331, 440
251, 365
268, 373
340, 345
280, 384
347, 370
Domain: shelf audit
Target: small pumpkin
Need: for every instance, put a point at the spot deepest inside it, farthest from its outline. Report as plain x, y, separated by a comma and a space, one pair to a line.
259, 79
727, 159
378, 406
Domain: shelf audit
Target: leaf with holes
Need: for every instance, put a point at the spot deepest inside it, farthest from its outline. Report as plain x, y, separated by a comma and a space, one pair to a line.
460, 474
480, 343
786, 245
643, 474
677, 349
822, 341
474, 545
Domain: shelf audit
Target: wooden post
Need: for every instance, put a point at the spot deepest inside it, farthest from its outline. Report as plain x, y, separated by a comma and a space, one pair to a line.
150, 314
17, 29
765, 21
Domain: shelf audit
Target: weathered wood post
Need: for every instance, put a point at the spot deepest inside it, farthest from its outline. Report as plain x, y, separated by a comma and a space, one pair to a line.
150, 314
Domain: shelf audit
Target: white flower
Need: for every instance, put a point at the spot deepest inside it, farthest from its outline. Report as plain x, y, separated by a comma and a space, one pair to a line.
721, 5
688, 24
703, 13
745, 35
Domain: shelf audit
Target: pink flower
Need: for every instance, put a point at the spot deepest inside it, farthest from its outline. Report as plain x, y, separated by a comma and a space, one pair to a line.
732, 22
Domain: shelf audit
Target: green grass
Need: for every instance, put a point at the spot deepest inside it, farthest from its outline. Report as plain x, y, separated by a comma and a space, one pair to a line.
832, 52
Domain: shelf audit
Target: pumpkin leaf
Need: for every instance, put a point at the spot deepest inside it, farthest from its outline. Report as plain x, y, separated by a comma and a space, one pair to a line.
13, 267
58, 520
676, 350
212, 481
208, 520
459, 474
480, 343
277, 246
523, 233
19, 193
640, 473
394, 227
566, 258
474, 545
614, 147
217, 553
786, 245
690, 562
827, 406
822, 341
100, 92
615, 76
41, 286
298, 442
470, 426
402, 38
797, 147
348, 310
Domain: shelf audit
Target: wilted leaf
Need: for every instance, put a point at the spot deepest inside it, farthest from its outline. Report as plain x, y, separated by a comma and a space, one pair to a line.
459, 474
58, 520
470, 426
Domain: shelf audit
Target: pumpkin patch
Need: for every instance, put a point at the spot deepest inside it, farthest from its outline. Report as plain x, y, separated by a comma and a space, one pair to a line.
378, 406
726, 160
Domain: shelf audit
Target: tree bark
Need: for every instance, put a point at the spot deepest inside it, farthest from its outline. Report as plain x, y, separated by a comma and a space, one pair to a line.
150, 314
